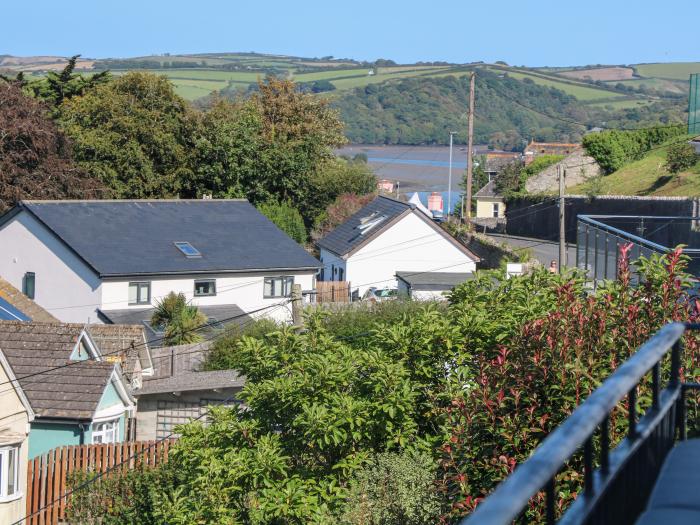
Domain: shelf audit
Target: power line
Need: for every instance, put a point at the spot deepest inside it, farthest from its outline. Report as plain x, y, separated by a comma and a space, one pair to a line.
132, 347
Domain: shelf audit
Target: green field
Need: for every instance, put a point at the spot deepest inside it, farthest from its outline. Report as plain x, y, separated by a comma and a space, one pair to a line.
674, 70
621, 104
647, 176
581, 92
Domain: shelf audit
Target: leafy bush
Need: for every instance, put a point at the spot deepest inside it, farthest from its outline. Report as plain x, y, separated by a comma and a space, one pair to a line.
395, 488
220, 356
680, 157
613, 149
514, 176
286, 218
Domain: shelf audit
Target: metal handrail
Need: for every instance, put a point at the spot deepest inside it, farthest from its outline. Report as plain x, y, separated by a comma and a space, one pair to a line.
512, 496
592, 219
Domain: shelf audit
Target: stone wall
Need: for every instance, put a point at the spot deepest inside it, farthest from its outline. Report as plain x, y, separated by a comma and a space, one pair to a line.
579, 168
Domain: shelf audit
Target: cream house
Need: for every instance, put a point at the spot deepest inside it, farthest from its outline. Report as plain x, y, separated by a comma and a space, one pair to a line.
16, 415
489, 204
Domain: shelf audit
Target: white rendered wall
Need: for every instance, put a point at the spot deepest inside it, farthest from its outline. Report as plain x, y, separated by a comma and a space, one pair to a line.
332, 262
410, 245
244, 290
65, 285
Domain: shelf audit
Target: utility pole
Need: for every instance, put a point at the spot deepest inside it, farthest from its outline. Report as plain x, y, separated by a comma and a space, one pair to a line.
562, 229
398, 185
449, 180
470, 145
297, 307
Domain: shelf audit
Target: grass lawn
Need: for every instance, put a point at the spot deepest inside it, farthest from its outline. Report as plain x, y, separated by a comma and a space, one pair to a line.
647, 176
675, 70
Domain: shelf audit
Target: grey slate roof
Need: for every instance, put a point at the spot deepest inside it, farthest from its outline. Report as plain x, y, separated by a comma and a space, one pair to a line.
72, 391
142, 317
347, 236
192, 382
124, 340
488, 191
433, 280
121, 238
177, 369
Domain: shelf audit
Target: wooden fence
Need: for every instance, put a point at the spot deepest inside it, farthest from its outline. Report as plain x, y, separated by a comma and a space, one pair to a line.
333, 291
48, 474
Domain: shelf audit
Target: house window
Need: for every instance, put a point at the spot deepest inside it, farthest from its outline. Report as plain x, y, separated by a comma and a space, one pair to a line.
9, 473
495, 209
205, 287
29, 285
106, 432
140, 293
341, 274
278, 286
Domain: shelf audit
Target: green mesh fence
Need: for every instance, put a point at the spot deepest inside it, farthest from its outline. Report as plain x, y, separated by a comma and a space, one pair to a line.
694, 104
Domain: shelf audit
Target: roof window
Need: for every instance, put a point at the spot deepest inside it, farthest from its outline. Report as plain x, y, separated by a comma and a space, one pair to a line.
187, 249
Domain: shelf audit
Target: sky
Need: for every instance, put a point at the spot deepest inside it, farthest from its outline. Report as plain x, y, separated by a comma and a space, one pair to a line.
530, 33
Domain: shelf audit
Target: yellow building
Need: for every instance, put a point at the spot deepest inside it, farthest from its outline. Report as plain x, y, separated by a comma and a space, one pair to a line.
489, 204
15, 416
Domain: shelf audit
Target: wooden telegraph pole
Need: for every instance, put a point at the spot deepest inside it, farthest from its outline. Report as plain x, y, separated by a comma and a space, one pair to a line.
470, 146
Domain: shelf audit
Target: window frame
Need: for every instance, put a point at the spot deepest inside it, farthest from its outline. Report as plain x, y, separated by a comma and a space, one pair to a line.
4, 469
286, 280
25, 287
138, 285
209, 281
496, 210
102, 433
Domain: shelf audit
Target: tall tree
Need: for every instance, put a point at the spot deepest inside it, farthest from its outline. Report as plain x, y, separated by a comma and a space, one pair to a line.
35, 156
134, 134
57, 87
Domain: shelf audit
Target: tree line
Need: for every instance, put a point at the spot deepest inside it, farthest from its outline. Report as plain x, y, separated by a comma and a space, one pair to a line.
133, 137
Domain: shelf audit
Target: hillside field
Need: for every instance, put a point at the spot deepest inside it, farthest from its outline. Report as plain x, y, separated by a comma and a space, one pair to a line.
647, 176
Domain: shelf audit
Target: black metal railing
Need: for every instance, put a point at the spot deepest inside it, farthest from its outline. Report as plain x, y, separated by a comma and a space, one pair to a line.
600, 237
617, 490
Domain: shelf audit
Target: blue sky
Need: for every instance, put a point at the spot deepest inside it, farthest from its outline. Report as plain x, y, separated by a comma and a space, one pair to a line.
534, 33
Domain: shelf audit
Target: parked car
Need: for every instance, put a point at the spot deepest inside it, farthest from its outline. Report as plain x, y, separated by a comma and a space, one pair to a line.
378, 295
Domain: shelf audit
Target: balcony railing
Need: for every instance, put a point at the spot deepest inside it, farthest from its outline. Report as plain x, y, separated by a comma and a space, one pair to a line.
599, 238
617, 490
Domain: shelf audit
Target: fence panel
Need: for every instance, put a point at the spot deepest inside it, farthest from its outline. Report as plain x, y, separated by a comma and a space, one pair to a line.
47, 474
333, 291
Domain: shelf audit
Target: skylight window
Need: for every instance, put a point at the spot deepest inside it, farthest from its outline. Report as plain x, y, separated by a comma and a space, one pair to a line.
364, 227
187, 249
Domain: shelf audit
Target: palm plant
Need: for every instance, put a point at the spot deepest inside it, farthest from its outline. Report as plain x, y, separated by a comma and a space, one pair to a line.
178, 319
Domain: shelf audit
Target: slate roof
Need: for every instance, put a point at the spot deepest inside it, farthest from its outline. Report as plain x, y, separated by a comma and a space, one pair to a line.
13, 301
192, 382
488, 191
177, 369
347, 236
72, 391
142, 317
434, 280
132, 237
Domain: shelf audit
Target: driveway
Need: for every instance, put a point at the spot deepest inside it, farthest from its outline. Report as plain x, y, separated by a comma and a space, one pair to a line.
543, 251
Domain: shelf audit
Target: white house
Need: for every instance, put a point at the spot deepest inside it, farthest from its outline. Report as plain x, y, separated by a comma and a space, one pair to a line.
387, 236
111, 261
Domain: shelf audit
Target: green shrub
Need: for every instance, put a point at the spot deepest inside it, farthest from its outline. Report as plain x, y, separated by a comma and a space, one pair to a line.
286, 218
613, 149
395, 488
220, 357
681, 157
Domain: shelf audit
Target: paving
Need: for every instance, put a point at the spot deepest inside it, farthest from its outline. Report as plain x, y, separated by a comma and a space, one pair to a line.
543, 251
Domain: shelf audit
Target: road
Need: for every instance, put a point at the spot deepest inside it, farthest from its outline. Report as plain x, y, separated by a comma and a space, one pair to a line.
543, 251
